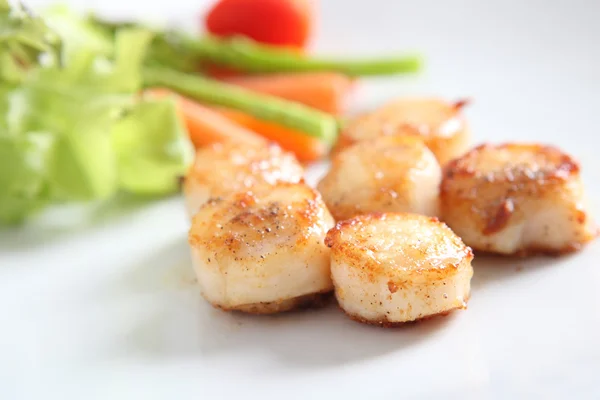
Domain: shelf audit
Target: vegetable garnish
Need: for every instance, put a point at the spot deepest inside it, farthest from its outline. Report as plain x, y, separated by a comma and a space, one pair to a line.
248, 56
24, 38
73, 126
183, 52
306, 148
152, 148
293, 115
206, 126
290, 21
325, 91
77, 131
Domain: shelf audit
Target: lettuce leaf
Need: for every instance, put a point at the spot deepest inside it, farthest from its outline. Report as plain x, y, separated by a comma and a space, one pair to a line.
152, 148
23, 164
77, 131
77, 32
79, 104
24, 38
84, 165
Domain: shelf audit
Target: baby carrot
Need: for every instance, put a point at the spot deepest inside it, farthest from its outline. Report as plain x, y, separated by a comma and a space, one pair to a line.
306, 148
205, 126
326, 91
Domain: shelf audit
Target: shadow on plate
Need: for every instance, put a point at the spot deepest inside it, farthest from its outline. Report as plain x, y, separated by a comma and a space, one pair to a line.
490, 268
180, 324
303, 339
165, 270
59, 222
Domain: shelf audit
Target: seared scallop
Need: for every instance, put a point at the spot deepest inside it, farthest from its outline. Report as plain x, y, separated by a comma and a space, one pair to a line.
393, 268
439, 123
222, 169
263, 251
387, 174
517, 198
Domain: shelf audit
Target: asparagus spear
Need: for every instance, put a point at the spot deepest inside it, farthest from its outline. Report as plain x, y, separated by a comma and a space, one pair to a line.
249, 56
293, 115
177, 50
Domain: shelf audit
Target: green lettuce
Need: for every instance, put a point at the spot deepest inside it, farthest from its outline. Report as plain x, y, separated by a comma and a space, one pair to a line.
78, 104
23, 165
152, 148
78, 32
24, 38
78, 131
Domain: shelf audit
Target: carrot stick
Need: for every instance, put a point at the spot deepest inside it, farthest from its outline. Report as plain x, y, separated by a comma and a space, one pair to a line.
325, 91
206, 126
306, 148
292, 114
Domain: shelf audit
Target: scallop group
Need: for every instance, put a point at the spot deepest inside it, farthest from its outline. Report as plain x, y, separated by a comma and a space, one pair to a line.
392, 225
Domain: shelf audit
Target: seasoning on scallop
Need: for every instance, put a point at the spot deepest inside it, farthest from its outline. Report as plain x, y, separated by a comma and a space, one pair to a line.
222, 169
439, 123
393, 268
387, 174
263, 251
517, 198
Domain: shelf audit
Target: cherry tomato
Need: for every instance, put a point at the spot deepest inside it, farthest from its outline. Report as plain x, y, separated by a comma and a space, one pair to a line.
276, 22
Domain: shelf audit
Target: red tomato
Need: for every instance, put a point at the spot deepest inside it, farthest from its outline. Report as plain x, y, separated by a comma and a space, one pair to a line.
277, 22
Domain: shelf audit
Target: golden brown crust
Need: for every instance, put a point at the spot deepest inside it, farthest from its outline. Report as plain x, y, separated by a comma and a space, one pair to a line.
333, 235
390, 174
440, 124
460, 104
225, 168
248, 218
501, 218
349, 240
551, 165
495, 187
311, 300
385, 323
494, 193
344, 141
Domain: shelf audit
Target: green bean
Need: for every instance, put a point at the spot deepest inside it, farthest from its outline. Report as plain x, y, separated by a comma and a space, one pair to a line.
249, 56
292, 115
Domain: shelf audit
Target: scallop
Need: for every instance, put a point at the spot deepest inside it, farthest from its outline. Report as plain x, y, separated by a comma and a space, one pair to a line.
225, 168
263, 251
392, 268
517, 199
439, 123
386, 174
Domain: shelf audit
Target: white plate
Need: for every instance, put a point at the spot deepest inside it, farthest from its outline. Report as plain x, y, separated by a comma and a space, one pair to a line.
103, 305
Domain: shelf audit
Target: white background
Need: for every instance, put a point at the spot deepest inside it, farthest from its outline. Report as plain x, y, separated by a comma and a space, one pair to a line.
101, 303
